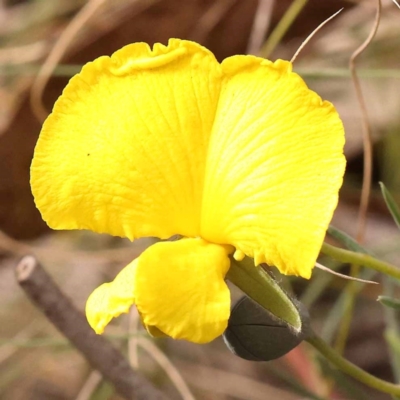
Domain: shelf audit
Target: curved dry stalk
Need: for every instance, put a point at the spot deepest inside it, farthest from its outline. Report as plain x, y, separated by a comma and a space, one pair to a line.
312, 34
89, 386
13, 247
344, 327
56, 54
168, 367
23, 54
396, 4
133, 341
367, 137
350, 278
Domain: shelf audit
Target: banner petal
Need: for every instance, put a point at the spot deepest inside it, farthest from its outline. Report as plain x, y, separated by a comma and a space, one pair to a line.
124, 149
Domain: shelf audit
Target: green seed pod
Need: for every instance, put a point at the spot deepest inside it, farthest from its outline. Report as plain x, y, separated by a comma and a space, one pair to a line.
255, 334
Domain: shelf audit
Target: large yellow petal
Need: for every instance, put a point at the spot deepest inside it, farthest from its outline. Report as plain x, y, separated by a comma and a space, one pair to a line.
275, 165
124, 149
111, 299
180, 289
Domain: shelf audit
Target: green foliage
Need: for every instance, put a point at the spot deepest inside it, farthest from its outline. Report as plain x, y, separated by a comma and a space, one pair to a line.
389, 302
391, 204
264, 290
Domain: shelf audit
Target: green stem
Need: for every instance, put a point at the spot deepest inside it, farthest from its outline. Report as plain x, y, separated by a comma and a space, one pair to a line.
350, 369
366, 260
284, 24
347, 317
67, 70
392, 334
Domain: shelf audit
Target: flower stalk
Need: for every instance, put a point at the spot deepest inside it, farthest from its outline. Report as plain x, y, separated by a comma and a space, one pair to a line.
350, 369
351, 257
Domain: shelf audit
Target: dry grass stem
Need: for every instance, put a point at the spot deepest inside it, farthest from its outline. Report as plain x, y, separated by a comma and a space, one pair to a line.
261, 24
133, 340
282, 27
56, 55
9, 349
231, 384
367, 140
89, 386
168, 367
319, 27
351, 278
344, 327
23, 54
396, 3
12, 247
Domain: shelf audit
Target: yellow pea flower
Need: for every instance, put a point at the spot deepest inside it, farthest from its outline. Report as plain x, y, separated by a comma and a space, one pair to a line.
239, 157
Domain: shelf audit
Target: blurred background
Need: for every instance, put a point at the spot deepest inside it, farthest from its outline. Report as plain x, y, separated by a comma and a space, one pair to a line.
55, 38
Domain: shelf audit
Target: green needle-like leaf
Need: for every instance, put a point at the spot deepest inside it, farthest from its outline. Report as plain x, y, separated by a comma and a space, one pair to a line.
389, 302
346, 240
391, 204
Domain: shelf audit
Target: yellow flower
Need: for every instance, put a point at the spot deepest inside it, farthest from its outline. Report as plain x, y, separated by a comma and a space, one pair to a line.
238, 157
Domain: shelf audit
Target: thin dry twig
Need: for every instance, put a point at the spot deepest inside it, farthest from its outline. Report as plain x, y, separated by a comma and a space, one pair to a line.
350, 278
70, 34
9, 349
23, 54
41, 289
396, 4
261, 24
317, 29
167, 366
89, 386
344, 327
133, 340
10, 246
56, 54
230, 384
367, 173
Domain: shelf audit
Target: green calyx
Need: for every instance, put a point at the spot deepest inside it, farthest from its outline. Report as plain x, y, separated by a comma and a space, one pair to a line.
261, 287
